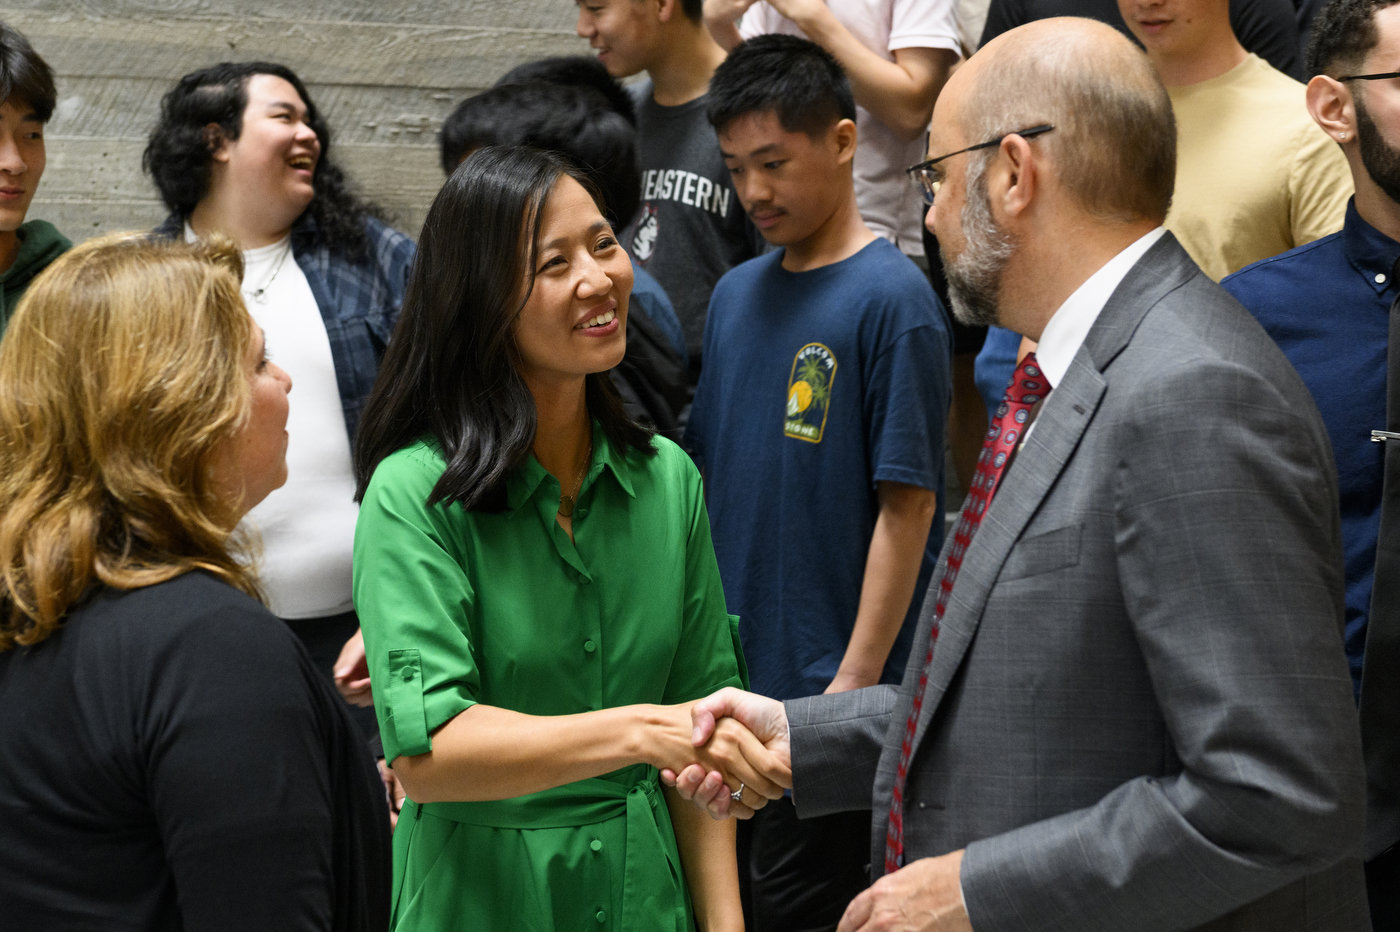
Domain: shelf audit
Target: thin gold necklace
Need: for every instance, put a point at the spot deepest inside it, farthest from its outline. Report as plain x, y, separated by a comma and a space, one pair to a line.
566, 502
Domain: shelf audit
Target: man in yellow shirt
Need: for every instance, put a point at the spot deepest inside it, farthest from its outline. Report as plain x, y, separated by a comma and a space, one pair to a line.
1255, 175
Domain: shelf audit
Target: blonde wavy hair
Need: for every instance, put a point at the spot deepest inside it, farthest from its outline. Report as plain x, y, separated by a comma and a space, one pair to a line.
121, 374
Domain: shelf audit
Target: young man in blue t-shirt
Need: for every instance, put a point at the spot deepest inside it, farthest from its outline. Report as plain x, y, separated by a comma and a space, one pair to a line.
818, 422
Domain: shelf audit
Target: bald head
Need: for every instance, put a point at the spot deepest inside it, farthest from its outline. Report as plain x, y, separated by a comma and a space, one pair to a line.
1114, 143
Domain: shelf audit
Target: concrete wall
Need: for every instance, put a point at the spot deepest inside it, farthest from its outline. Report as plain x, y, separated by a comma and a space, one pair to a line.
384, 72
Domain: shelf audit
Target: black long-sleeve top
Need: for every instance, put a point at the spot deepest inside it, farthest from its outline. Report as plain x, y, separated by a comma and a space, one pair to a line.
171, 760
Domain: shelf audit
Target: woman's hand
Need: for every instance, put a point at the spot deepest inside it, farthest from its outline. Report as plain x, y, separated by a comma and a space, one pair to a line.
719, 720
733, 754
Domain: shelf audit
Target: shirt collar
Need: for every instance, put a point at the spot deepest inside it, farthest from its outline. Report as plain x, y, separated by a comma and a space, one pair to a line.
1370, 252
523, 483
1070, 325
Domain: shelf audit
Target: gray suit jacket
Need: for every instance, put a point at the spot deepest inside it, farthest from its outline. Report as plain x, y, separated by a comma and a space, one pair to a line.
1138, 715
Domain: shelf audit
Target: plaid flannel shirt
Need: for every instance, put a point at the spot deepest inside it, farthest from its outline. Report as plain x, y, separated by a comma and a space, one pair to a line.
359, 301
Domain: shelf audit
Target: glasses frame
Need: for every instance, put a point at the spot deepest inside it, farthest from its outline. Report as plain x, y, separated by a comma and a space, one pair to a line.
1371, 77
919, 174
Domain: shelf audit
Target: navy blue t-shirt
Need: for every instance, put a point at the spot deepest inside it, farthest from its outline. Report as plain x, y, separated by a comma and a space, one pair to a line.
1327, 305
816, 386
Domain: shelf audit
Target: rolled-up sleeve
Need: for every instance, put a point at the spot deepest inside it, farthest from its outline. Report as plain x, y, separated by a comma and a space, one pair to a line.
415, 603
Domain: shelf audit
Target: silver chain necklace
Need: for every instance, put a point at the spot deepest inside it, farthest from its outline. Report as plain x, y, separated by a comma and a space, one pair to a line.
260, 295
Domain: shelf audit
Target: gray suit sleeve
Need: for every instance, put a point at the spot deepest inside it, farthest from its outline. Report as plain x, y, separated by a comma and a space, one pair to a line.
1229, 564
836, 745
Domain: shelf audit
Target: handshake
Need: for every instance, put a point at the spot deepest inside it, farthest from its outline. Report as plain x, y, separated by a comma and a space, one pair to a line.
739, 756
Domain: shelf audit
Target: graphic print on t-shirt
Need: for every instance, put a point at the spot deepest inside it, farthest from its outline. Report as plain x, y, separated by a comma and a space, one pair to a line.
809, 392
644, 240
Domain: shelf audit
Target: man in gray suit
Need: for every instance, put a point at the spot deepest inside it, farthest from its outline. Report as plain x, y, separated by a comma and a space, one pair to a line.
1133, 712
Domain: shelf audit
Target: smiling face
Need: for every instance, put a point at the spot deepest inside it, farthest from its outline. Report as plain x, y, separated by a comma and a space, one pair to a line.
789, 183
272, 163
21, 161
253, 462
624, 33
575, 320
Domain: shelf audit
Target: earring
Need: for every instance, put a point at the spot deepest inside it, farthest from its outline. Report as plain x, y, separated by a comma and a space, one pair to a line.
1342, 137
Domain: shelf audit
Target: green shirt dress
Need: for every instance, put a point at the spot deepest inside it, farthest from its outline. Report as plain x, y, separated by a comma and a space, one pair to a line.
462, 607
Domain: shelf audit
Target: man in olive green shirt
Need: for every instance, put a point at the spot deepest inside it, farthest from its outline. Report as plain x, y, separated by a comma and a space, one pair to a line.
26, 249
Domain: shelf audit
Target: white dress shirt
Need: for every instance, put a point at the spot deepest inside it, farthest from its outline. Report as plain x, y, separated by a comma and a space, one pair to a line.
1069, 325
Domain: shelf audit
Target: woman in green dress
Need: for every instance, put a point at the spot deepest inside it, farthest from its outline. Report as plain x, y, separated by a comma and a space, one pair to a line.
536, 585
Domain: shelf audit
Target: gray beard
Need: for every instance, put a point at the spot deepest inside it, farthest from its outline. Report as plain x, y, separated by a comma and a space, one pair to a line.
974, 277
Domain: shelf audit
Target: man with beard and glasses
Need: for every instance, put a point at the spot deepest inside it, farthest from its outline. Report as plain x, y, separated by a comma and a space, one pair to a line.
1331, 306
1127, 706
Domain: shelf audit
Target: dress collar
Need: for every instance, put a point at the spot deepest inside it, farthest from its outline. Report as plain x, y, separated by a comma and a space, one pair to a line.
524, 482
1370, 252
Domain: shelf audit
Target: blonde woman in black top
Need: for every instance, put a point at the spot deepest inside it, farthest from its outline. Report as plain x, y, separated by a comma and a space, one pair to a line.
172, 758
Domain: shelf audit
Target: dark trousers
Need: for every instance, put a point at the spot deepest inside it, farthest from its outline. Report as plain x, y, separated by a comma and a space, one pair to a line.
1383, 890
803, 873
323, 638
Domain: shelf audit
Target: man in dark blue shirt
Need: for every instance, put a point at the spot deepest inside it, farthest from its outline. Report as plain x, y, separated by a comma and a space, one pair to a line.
1330, 305
818, 422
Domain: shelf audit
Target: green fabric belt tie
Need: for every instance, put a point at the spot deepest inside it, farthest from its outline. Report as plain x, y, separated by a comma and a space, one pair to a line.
651, 884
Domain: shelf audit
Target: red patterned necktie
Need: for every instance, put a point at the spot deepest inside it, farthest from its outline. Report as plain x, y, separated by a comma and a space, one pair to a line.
1027, 387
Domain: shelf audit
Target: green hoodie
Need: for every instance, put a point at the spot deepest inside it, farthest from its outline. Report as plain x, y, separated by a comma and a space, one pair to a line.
39, 245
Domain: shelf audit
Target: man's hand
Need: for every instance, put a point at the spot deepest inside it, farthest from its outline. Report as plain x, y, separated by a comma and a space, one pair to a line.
722, 721
352, 672
925, 896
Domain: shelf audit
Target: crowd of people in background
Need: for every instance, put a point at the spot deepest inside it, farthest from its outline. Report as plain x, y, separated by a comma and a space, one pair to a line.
351, 582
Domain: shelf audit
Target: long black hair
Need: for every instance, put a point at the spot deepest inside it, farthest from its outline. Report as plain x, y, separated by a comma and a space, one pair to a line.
181, 150
452, 370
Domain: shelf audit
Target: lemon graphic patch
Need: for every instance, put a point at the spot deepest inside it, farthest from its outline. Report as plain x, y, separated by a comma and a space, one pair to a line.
809, 393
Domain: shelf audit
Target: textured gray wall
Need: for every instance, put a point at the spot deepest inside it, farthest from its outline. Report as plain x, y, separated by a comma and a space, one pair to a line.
385, 73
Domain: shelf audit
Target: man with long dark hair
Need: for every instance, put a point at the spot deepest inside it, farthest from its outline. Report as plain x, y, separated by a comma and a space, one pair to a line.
27, 99
241, 150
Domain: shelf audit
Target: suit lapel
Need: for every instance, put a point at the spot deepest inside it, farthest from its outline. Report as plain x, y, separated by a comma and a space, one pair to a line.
1062, 421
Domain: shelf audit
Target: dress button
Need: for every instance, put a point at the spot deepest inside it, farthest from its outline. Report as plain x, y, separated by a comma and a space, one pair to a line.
588, 646
601, 917
596, 845
408, 675
583, 580
1380, 278
583, 512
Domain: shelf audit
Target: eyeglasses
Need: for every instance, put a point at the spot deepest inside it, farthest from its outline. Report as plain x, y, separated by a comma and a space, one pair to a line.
1371, 77
930, 179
